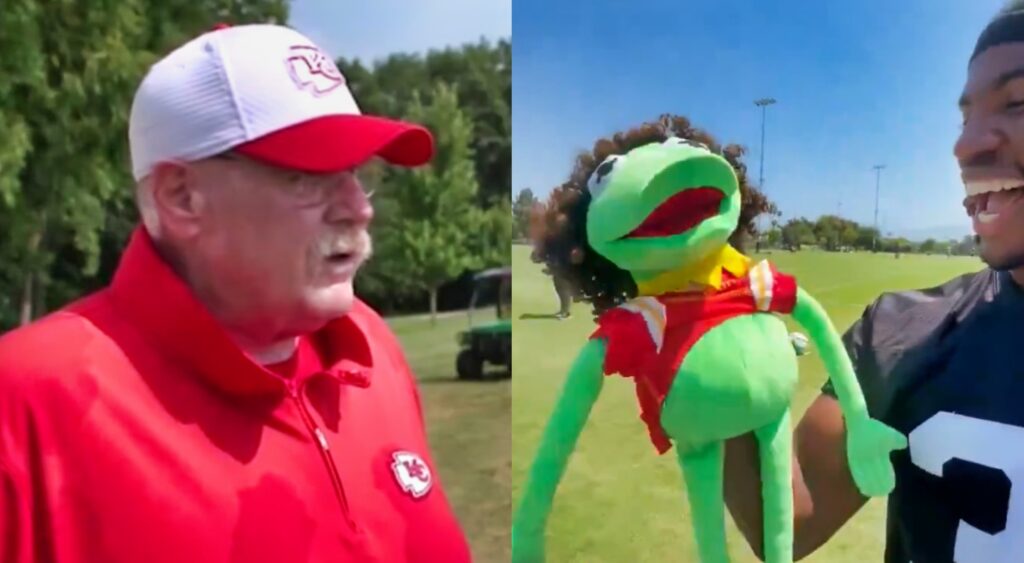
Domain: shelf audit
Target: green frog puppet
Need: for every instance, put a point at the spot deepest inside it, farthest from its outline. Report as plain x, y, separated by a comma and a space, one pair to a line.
701, 336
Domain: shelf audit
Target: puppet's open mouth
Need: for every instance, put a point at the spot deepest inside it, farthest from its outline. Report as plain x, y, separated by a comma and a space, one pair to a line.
680, 213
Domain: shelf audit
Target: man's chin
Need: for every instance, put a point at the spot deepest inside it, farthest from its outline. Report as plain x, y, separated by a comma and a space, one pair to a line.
1001, 261
332, 302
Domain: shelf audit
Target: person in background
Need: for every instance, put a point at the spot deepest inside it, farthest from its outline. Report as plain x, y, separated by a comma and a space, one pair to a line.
563, 288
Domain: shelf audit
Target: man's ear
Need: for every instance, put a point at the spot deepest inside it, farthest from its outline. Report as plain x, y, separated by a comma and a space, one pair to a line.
177, 199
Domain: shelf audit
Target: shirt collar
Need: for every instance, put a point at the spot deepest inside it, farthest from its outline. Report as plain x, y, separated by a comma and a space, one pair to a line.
159, 303
707, 273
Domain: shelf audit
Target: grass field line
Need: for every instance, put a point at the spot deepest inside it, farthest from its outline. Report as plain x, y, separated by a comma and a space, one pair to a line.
857, 282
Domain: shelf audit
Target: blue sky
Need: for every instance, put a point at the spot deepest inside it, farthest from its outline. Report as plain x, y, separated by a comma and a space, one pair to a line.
373, 29
858, 83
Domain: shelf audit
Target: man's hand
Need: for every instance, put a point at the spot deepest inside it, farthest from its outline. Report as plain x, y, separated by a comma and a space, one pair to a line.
868, 446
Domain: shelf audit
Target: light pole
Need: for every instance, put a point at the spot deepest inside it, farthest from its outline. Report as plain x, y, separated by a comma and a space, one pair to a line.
878, 178
762, 103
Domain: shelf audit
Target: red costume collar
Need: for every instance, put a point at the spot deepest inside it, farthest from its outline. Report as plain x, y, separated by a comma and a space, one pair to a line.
153, 298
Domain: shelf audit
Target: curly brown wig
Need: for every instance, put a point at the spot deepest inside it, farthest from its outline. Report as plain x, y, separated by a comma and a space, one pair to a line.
558, 228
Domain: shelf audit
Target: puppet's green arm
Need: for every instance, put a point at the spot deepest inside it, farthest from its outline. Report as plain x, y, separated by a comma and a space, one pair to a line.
812, 316
579, 393
869, 441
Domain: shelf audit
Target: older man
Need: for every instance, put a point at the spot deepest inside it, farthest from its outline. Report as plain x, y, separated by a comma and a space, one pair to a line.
227, 398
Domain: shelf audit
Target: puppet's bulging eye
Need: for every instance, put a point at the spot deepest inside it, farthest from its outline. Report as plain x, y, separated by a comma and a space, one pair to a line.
600, 178
679, 141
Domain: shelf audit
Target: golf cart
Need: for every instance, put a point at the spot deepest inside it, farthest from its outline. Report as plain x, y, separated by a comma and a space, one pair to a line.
487, 342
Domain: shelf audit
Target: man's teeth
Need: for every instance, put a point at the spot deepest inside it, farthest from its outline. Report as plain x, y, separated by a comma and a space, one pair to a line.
986, 216
977, 187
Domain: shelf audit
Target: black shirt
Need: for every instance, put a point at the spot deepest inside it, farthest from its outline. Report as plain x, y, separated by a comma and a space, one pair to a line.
945, 366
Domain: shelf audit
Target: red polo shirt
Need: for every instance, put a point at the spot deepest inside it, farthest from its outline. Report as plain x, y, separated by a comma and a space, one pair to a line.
133, 430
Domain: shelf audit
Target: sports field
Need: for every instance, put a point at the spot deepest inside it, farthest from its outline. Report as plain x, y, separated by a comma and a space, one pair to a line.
468, 427
619, 500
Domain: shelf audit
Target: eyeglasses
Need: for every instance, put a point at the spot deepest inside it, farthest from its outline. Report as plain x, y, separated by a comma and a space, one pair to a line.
305, 187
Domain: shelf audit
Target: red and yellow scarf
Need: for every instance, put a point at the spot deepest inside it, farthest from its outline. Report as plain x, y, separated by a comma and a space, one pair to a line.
648, 337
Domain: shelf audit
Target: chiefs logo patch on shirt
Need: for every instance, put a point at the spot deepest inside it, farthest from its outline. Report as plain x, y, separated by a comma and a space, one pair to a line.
411, 473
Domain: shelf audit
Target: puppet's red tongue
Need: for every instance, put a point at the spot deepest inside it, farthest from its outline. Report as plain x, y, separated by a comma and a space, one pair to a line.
680, 213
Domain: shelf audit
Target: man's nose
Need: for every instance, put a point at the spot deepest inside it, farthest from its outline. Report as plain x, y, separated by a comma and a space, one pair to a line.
350, 204
978, 144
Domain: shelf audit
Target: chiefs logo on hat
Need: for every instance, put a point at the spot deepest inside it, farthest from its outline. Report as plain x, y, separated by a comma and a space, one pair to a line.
311, 68
412, 473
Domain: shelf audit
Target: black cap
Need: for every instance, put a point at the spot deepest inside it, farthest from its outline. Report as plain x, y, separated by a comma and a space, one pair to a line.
1006, 28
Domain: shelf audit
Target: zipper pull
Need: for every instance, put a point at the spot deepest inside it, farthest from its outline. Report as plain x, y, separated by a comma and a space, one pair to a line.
321, 438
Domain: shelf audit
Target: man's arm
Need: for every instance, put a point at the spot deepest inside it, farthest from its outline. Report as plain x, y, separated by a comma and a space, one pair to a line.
824, 494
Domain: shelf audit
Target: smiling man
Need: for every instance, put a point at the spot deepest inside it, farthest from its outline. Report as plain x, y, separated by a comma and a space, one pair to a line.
941, 365
227, 398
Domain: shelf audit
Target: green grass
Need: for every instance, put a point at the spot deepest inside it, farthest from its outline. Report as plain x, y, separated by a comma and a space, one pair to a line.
468, 426
619, 501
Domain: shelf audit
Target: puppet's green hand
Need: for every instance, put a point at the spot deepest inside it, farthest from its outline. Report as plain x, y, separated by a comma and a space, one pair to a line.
868, 445
528, 547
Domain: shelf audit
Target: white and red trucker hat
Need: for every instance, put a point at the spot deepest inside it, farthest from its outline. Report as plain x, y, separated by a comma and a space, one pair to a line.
267, 92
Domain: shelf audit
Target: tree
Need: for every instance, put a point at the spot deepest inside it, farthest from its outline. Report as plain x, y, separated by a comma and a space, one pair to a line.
67, 78
826, 232
491, 234
848, 234
480, 73
521, 209
485, 94
929, 246
774, 235
896, 245
64, 107
798, 232
434, 218
833, 232
965, 247
866, 236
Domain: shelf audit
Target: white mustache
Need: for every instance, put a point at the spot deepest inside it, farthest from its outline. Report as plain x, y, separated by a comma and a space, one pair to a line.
355, 242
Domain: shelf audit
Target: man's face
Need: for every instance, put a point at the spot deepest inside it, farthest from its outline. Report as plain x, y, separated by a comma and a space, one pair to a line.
280, 247
991, 153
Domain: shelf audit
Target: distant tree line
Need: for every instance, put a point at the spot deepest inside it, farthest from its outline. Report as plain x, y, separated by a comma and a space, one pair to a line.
66, 208
833, 233
524, 203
